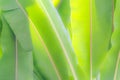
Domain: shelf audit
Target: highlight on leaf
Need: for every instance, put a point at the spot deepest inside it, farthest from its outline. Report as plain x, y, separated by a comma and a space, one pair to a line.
59, 39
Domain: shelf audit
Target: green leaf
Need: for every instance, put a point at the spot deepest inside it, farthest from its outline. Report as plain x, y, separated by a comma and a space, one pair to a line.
37, 75
101, 32
112, 58
8, 60
8, 5
118, 72
26, 3
20, 26
64, 11
41, 60
49, 25
16, 63
56, 2
63, 8
51, 39
80, 23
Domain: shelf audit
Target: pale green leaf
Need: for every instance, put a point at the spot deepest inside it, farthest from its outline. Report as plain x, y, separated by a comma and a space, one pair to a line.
7, 62
16, 63
112, 57
26, 3
101, 31
8, 4
20, 26
49, 39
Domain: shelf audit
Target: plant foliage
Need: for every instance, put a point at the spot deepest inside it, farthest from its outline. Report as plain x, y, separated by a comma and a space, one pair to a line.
59, 39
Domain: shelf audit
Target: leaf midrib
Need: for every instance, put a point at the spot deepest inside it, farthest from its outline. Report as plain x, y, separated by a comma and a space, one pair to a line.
116, 68
16, 59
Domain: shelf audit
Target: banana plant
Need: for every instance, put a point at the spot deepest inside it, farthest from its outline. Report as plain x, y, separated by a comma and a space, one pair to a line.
59, 40
61, 56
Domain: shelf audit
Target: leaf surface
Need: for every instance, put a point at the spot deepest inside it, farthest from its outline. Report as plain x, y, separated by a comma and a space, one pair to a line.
16, 63
80, 28
20, 26
53, 32
64, 11
42, 62
101, 32
112, 60
8, 5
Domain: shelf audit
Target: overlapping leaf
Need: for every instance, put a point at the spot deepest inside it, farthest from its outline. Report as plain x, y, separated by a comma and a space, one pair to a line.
15, 62
53, 32
43, 67
53, 54
18, 23
64, 11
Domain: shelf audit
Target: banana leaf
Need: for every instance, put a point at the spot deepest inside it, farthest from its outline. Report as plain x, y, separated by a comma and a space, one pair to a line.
80, 28
101, 32
42, 65
64, 11
49, 25
37, 75
19, 27
16, 62
113, 56
8, 5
